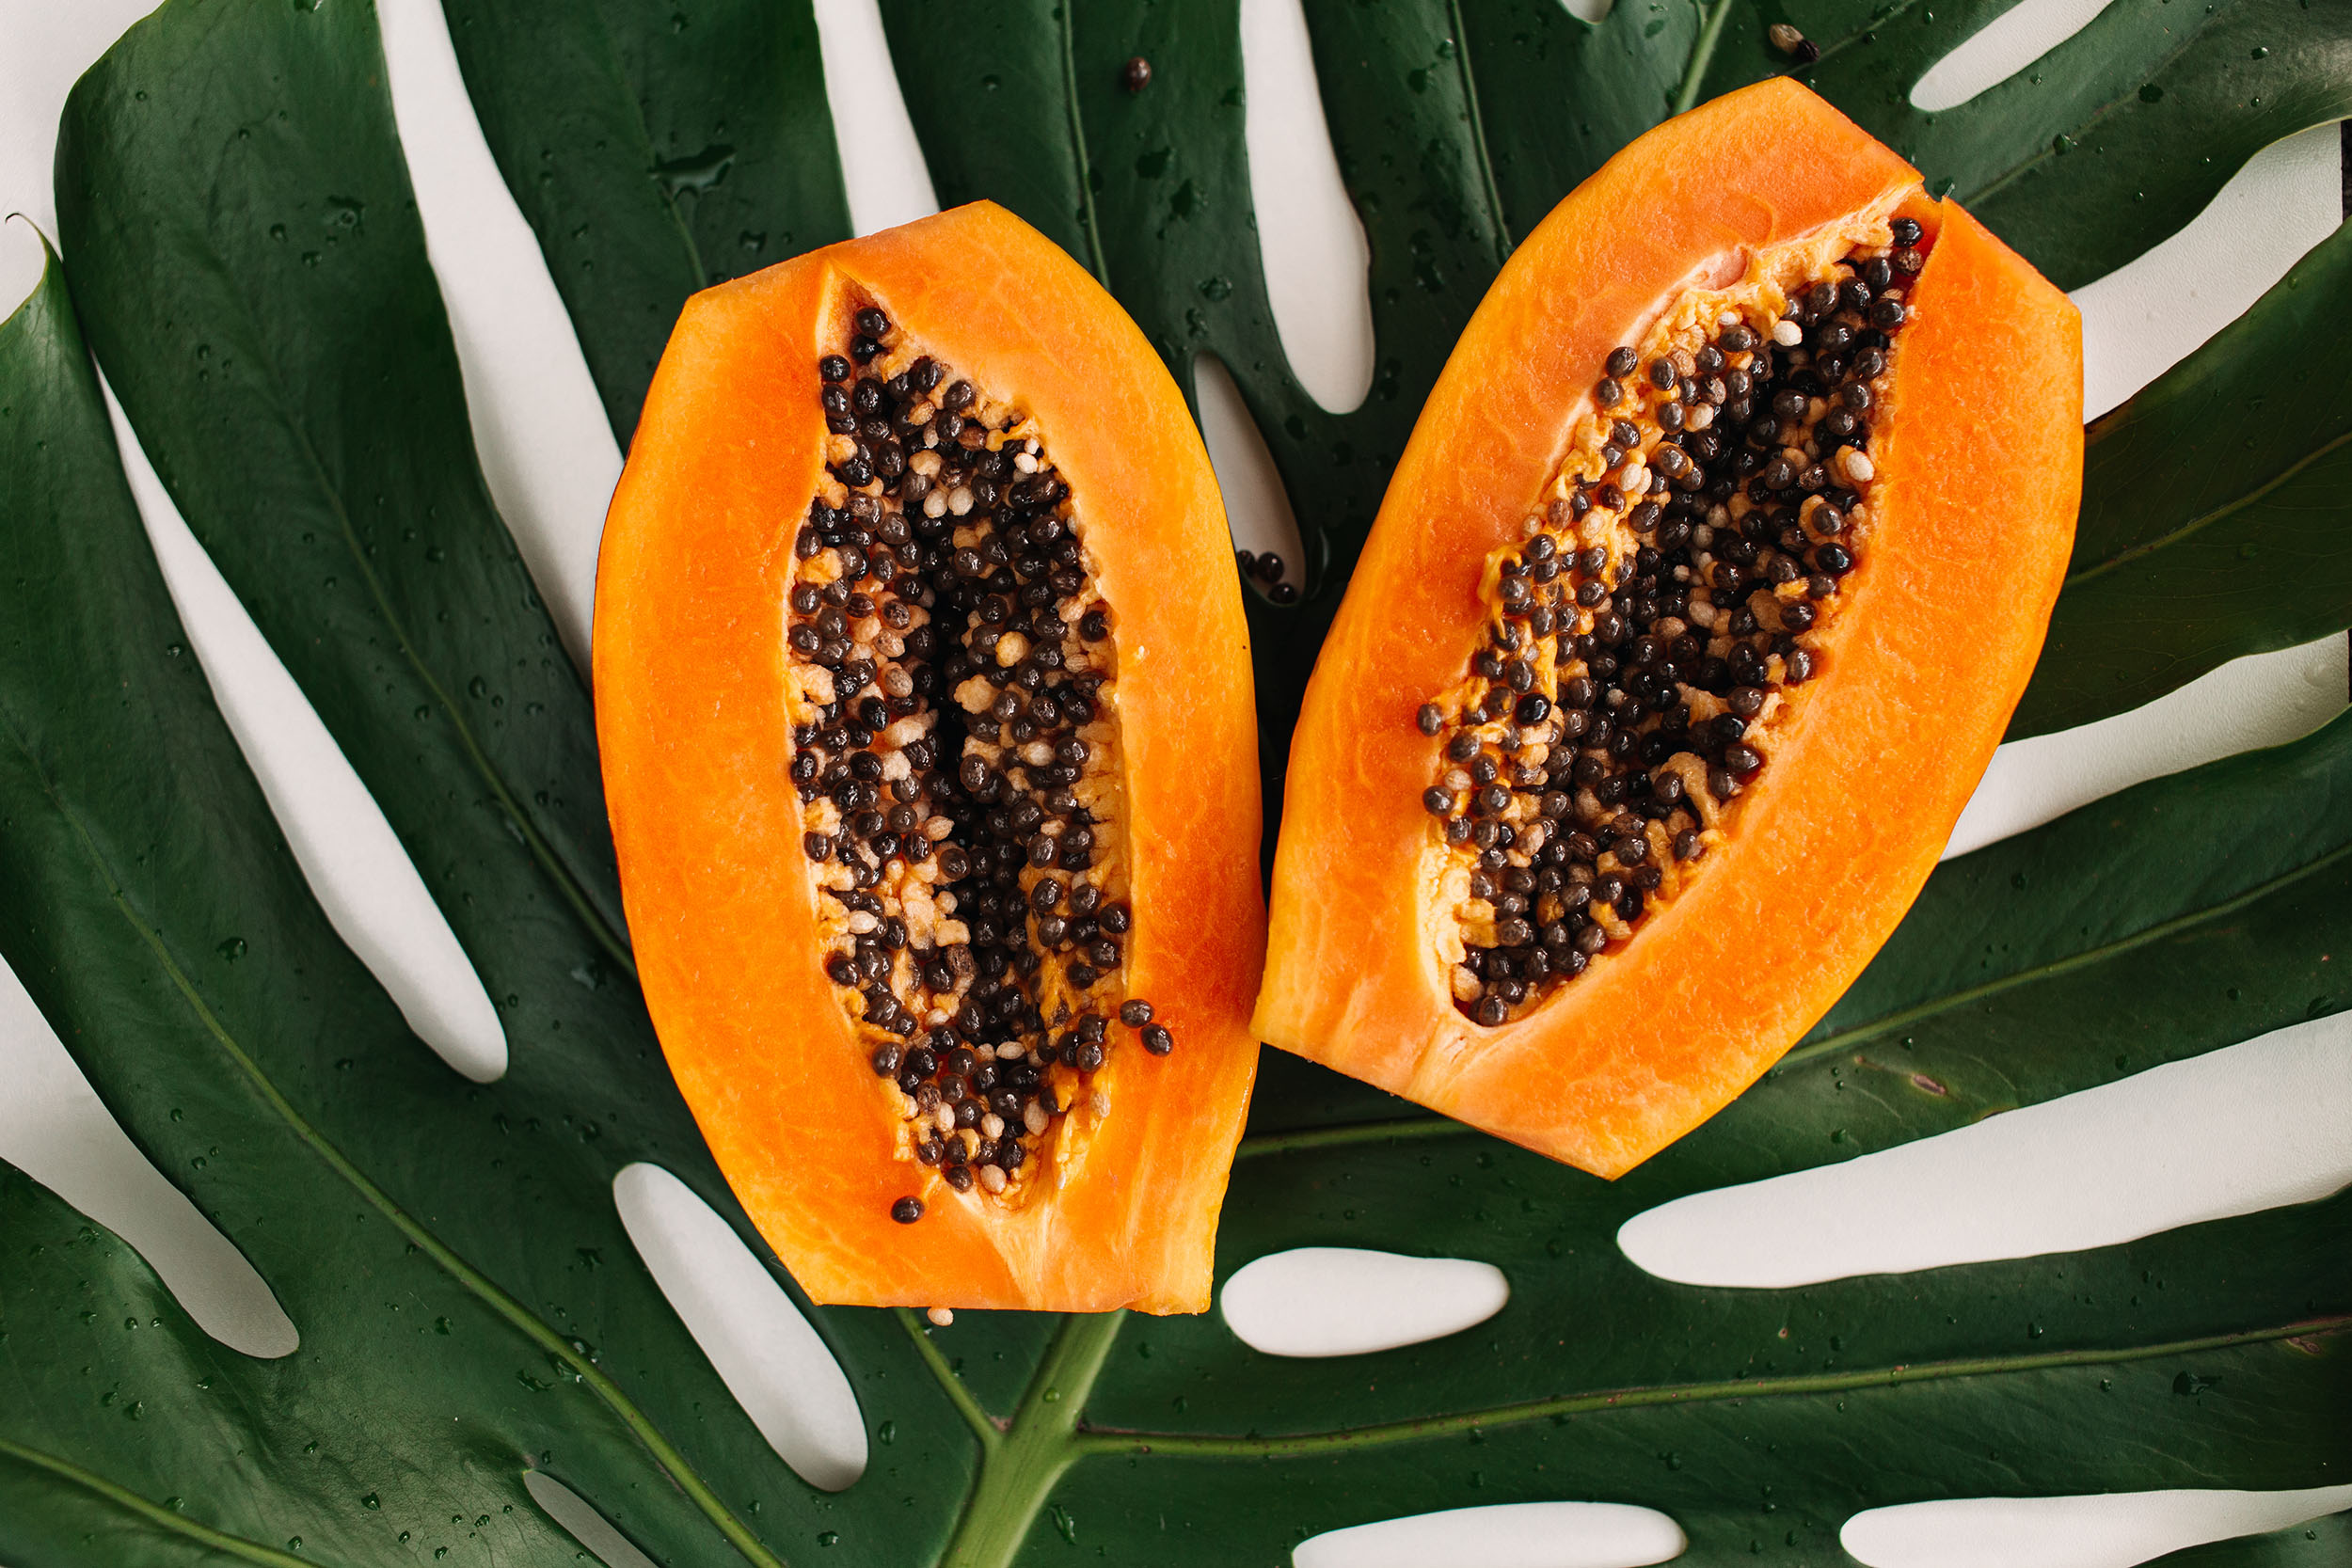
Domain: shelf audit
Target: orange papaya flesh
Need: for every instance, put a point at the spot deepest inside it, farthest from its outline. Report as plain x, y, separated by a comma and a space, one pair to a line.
923, 691
1693, 612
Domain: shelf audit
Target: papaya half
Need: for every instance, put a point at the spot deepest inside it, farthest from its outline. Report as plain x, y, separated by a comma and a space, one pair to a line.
923, 691
1695, 610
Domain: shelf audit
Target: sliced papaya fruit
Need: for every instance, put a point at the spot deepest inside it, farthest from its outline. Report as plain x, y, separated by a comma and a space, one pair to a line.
923, 691
1695, 610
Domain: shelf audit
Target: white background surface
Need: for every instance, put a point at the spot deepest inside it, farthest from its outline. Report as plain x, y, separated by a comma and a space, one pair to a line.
2105, 1165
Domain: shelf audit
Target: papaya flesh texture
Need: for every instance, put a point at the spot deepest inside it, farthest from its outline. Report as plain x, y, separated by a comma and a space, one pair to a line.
923, 691
1696, 609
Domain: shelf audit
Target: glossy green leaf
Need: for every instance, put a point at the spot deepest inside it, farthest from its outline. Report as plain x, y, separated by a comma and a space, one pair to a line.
245, 253
2216, 507
283, 355
656, 150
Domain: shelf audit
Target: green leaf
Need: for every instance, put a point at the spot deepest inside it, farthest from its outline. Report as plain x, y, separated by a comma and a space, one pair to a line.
2215, 509
154, 913
246, 256
301, 400
656, 150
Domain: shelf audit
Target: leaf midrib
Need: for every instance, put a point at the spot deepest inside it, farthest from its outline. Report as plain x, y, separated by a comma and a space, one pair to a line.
153, 1513
466, 1277
1493, 193
2067, 965
1104, 1441
1065, 30
2206, 519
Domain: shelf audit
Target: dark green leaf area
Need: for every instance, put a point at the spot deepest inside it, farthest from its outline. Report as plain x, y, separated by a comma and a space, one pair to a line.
132, 1438
153, 912
246, 254
654, 149
2320, 1543
1752, 1475
168, 936
2216, 508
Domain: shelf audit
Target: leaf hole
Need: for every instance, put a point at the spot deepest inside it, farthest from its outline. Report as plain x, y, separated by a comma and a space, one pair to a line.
1350, 1301
546, 450
2233, 1131
881, 164
356, 867
2262, 700
1257, 508
2148, 315
2000, 49
53, 1128
2109, 1529
1505, 1536
768, 1355
583, 1522
1310, 241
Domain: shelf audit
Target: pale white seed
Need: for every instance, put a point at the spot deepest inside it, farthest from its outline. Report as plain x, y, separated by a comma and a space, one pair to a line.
992, 1126
862, 923
1011, 1051
1787, 334
1033, 1117
993, 1178
940, 1317
1011, 649
925, 463
934, 505
1023, 464
960, 500
1858, 467
944, 1118
1038, 753
935, 830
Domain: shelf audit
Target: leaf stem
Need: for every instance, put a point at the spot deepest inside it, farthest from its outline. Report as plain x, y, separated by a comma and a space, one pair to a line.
983, 1426
204, 1536
1846, 1038
1702, 54
1087, 215
1350, 1134
1300, 1444
2203, 521
1017, 1476
1478, 131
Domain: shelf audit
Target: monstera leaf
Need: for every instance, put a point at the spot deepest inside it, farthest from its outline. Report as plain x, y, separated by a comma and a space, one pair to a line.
243, 253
